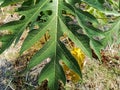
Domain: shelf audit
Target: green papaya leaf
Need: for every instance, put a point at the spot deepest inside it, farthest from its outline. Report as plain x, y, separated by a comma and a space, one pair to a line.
1, 1
96, 46
73, 2
50, 16
113, 34
98, 4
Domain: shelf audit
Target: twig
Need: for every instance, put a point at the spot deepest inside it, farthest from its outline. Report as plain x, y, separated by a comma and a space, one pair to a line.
9, 85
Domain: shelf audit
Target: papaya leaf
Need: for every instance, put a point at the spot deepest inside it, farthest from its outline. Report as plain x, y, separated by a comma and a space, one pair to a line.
1, 1
98, 4
69, 60
96, 46
113, 34
12, 27
73, 2
50, 16
90, 31
102, 5
75, 39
